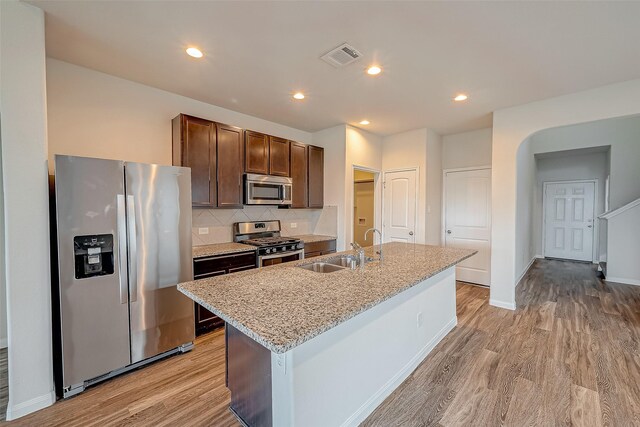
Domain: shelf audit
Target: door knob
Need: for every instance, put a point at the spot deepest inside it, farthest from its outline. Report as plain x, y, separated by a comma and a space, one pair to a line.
448, 231
589, 226
411, 233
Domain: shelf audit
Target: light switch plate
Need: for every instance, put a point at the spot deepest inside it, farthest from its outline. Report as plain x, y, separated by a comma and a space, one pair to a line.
203, 230
294, 225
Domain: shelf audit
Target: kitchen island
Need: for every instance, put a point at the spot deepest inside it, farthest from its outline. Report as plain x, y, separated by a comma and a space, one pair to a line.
307, 348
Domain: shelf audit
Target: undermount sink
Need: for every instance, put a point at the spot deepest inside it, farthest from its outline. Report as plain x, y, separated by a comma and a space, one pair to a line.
342, 261
322, 267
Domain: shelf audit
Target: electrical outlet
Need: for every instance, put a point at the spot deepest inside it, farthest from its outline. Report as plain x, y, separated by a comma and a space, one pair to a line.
419, 319
203, 230
294, 225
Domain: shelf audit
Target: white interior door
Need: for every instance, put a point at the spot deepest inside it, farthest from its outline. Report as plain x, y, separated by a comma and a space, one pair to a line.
400, 206
468, 221
568, 220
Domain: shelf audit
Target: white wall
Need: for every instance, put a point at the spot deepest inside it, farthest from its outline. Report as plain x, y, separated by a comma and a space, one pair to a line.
26, 205
569, 166
524, 208
409, 150
624, 247
98, 115
3, 287
434, 188
364, 150
467, 149
511, 126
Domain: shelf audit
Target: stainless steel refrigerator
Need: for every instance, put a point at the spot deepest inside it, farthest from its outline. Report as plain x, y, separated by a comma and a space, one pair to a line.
122, 239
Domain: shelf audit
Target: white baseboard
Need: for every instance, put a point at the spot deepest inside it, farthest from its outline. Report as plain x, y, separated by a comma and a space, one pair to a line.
539, 256
31, 405
526, 270
622, 280
4, 343
502, 304
378, 397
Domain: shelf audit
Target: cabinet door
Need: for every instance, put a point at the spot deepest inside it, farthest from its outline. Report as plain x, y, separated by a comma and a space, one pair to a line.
230, 149
196, 149
316, 177
300, 194
278, 156
256, 153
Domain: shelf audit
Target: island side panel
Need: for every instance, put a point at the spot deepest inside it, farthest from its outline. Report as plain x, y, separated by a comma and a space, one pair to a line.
248, 378
353, 367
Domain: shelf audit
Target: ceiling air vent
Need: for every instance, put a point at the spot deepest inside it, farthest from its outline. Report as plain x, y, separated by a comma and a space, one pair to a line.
341, 56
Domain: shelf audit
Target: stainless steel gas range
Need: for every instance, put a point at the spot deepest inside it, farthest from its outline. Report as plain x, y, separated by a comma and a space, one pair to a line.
272, 248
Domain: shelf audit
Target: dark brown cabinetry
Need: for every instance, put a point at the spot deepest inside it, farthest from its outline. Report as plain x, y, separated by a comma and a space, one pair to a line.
278, 156
214, 153
316, 176
215, 266
256, 153
229, 159
194, 146
299, 175
314, 249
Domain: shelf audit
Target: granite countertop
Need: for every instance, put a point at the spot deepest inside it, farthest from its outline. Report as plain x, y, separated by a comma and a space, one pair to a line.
283, 306
309, 238
221, 249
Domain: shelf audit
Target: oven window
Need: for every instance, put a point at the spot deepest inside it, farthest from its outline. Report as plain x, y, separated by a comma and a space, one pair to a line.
265, 191
274, 261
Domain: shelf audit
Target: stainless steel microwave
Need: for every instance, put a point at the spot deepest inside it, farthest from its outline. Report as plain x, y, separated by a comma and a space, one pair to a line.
267, 190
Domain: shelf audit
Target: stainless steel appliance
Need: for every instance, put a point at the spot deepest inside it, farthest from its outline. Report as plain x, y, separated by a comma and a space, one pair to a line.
267, 190
272, 248
122, 241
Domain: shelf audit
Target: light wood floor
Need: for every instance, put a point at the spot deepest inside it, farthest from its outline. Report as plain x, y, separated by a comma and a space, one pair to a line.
569, 355
4, 383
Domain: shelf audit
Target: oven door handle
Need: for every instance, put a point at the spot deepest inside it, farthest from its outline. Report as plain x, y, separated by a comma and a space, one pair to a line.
281, 255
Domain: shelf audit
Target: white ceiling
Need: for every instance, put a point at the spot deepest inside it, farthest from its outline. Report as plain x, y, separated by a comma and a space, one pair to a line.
257, 53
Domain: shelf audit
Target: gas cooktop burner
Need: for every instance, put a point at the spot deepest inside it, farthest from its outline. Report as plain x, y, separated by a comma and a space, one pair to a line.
270, 241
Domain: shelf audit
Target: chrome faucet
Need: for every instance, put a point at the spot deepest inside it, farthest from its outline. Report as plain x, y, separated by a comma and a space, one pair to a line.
360, 253
380, 234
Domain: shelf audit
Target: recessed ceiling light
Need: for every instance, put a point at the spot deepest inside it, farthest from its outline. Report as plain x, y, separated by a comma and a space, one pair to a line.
195, 52
298, 95
374, 70
364, 122
460, 97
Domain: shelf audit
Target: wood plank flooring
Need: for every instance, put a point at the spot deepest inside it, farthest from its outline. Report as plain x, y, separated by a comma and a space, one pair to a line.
569, 355
4, 383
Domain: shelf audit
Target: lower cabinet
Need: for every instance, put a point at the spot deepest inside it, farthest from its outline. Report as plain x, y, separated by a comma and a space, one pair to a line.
314, 249
216, 266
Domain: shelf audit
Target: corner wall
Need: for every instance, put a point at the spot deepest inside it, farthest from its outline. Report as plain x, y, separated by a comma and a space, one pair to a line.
26, 206
511, 127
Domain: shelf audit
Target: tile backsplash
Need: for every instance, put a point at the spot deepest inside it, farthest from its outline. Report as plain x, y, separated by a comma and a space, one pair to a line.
219, 222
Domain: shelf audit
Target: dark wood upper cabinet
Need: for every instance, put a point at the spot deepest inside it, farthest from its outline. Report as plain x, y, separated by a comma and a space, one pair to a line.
299, 175
229, 155
256, 152
278, 156
194, 146
316, 176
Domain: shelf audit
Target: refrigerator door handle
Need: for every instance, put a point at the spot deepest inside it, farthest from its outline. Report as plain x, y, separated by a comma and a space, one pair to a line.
122, 247
133, 253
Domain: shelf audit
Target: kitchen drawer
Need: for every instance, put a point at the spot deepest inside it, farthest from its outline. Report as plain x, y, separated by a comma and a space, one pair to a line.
230, 263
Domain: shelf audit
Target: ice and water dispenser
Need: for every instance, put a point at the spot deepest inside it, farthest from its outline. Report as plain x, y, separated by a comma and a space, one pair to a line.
93, 255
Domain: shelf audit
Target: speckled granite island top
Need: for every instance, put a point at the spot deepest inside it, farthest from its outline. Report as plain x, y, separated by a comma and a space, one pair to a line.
221, 249
283, 306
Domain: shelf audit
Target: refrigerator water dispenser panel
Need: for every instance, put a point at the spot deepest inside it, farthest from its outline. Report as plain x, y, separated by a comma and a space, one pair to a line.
93, 255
